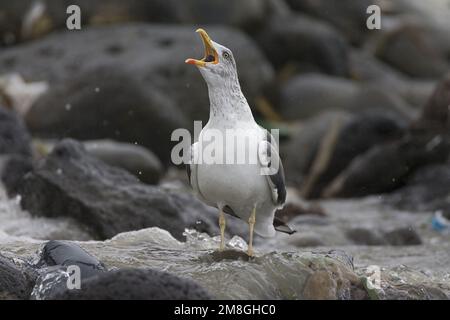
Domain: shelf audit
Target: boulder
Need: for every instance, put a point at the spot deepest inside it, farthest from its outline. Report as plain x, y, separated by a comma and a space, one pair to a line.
303, 43
136, 284
136, 159
107, 103
64, 253
15, 283
108, 200
306, 95
14, 137
435, 115
386, 167
347, 16
152, 54
344, 142
409, 49
426, 190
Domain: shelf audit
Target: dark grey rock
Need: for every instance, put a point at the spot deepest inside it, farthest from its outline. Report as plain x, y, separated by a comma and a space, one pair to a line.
307, 95
355, 137
307, 139
14, 282
347, 15
63, 253
426, 190
12, 172
403, 237
136, 284
153, 54
387, 167
436, 112
136, 159
304, 43
107, 103
409, 49
14, 137
108, 200
363, 236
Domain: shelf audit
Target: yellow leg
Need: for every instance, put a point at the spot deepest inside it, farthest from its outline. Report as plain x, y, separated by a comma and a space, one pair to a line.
251, 223
222, 224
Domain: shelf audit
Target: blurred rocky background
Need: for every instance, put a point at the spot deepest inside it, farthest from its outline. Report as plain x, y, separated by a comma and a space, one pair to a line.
364, 115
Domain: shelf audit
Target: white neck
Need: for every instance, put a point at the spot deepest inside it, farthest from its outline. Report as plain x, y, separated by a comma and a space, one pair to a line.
228, 104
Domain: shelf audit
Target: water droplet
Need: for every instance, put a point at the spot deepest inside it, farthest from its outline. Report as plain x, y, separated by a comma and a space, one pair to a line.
68, 107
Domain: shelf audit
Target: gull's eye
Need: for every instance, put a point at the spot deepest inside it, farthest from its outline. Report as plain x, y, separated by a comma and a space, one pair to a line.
226, 55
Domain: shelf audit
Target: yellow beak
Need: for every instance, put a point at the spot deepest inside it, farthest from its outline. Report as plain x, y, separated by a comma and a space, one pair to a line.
211, 55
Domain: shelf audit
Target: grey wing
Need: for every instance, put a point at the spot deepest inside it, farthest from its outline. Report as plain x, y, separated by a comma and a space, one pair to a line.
192, 172
270, 161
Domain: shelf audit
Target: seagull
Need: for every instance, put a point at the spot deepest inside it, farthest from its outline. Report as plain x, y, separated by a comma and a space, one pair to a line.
238, 189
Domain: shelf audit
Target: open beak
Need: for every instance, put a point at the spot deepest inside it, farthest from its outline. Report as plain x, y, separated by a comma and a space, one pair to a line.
211, 55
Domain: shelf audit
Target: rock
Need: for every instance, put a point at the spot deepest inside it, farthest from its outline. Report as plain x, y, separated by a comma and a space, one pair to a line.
137, 160
310, 94
386, 167
403, 237
64, 253
344, 143
366, 68
426, 190
108, 200
151, 54
304, 43
14, 137
136, 284
14, 282
248, 15
436, 113
363, 236
409, 49
348, 16
12, 172
107, 103
307, 139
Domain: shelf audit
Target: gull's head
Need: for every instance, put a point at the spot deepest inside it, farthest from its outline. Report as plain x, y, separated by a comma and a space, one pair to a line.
217, 67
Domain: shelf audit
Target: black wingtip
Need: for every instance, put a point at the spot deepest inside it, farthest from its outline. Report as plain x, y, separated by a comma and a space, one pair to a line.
282, 227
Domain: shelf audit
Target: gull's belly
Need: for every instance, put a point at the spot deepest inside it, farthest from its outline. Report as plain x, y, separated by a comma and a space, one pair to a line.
239, 186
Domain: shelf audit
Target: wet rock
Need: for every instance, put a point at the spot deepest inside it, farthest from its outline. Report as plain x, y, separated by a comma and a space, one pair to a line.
108, 200
409, 49
307, 139
350, 140
137, 160
389, 81
403, 237
106, 103
152, 54
12, 172
64, 253
136, 284
304, 43
14, 282
386, 167
436, 113
363, 236
333, 143
310, 94
14, 137
348, 16
426, 190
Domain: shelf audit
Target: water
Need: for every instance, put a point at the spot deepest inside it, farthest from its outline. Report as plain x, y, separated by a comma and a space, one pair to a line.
281, 270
